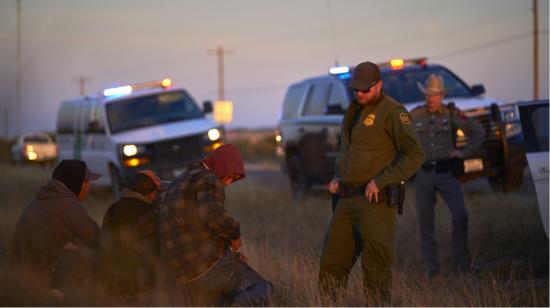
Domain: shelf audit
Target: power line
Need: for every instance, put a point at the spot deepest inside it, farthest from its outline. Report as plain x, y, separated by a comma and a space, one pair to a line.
490, 44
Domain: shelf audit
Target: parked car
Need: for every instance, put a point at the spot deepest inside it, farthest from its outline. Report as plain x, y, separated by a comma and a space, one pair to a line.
309, 127
126, 129
534, 125
34, 148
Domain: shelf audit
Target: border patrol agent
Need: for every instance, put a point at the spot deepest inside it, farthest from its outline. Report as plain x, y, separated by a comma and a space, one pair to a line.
435, 128
379, 148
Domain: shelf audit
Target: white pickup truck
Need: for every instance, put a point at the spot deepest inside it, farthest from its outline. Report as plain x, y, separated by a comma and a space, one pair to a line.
34, 147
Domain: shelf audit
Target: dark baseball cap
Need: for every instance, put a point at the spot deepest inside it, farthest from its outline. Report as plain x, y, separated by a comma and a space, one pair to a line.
145, 182
72, 172
365, 75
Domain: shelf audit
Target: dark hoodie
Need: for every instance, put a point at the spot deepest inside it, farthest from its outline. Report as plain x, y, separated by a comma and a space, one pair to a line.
54, 218
195, 228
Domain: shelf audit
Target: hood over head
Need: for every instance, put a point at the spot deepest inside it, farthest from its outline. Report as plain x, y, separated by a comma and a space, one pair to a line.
226, 161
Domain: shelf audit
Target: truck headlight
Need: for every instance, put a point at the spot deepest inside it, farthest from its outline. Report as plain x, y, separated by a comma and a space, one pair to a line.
129, 150
214, 134
132, 149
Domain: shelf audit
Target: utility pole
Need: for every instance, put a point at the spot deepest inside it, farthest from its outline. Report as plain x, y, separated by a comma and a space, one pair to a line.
82, 84
18, 85
535, 51
220, 52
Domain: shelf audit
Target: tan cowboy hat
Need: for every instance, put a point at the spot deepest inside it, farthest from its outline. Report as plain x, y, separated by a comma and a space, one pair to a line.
434, 85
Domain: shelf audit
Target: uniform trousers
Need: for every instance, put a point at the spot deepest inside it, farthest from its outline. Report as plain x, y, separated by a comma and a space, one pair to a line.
427, 183
375, 223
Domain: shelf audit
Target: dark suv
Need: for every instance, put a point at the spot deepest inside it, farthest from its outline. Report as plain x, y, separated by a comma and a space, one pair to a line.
313, 109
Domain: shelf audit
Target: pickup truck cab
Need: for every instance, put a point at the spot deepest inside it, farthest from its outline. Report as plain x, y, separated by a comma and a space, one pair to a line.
34, 148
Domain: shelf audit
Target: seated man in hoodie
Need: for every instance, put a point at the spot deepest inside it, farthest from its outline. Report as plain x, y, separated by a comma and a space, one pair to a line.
200, 241
129, 238
55, 224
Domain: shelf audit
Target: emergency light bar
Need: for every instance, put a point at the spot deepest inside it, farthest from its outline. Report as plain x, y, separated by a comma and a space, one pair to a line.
127, 90
338, 70
397, 64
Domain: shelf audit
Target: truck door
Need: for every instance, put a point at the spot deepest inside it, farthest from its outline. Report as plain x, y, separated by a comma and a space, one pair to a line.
534, 124
314, 129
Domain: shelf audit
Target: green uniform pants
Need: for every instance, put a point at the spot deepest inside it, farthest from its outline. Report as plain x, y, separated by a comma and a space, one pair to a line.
376, 225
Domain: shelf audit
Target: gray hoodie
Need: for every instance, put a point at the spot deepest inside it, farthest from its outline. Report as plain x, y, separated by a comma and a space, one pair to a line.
54, 218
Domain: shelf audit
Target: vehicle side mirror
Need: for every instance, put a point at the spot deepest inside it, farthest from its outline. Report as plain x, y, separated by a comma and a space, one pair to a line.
95, 128
334, 109
207, 107
478, 89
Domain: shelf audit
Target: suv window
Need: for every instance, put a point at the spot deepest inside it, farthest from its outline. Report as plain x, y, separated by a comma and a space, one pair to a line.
534, 124
317, 99
338, 96
402, 85
292, 101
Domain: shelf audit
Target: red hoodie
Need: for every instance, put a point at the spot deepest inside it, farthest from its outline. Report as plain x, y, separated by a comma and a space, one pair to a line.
225, 161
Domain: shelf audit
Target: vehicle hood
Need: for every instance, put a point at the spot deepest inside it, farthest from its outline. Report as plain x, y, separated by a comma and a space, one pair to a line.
165, 131
462, 103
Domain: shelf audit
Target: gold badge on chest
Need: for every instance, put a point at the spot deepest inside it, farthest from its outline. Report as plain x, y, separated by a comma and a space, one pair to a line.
369, 120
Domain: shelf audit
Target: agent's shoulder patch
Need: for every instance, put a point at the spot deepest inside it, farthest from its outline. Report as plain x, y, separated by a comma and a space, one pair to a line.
405, 118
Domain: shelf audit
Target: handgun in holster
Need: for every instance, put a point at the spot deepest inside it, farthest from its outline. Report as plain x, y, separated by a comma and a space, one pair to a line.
395, 196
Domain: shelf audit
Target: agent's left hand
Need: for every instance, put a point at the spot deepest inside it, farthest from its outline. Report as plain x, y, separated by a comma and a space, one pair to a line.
371, 191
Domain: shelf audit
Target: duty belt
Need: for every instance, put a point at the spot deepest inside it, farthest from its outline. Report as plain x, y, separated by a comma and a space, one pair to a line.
437, 165
453, 165
345, 191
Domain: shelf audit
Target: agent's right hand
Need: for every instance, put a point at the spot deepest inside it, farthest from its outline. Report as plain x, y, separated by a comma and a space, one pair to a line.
333, 186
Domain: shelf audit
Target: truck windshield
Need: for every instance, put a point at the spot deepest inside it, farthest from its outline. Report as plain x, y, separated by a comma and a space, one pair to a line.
150, 110
402, 85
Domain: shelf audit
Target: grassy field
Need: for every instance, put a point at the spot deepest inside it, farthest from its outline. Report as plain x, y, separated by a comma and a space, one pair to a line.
283, 240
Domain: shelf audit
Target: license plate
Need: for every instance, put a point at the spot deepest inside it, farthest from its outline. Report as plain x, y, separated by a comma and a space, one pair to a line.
473, 165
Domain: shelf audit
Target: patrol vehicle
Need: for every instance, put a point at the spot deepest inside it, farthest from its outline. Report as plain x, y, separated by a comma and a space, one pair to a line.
309, 127
534, 124
125, 129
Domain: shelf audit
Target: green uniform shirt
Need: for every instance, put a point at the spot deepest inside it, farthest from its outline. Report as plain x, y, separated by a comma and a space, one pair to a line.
434, 131
382, 145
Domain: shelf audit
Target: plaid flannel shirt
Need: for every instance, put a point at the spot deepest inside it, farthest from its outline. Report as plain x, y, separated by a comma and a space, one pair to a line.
195, 228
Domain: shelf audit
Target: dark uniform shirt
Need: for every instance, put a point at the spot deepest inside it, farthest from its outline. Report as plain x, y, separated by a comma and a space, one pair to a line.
434, 130
382, 145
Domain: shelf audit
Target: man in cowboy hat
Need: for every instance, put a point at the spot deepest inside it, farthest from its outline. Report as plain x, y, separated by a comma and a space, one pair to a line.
435, 124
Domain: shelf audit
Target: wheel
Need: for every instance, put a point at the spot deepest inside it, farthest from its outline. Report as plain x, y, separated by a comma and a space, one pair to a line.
116, 182
298, 177
509, 179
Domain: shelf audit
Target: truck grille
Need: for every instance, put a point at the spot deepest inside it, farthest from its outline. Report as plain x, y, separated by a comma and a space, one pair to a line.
174, 154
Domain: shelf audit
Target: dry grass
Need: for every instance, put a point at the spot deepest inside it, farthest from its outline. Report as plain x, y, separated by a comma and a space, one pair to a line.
283, 239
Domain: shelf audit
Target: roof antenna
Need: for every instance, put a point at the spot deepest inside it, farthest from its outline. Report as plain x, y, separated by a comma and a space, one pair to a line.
333, 36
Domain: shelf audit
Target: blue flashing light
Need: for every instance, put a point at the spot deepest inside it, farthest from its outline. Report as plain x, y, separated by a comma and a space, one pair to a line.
344, 76
120, 91
338, 70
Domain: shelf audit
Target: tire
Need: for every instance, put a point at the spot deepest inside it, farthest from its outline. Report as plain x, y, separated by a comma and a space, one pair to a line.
508, 180
297, 176
116, 182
